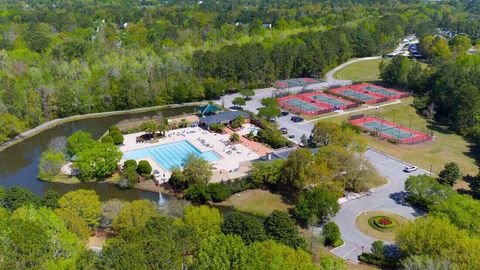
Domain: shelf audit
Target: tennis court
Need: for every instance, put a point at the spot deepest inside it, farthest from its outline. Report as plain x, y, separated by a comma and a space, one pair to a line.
378, 90
357, 95
303, 105
388, 130
329, 100
307, 107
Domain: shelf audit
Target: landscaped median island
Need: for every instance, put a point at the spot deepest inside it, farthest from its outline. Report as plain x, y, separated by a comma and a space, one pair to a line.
380, 225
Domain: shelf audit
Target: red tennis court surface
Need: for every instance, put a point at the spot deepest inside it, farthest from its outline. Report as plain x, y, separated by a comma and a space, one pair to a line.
391, 131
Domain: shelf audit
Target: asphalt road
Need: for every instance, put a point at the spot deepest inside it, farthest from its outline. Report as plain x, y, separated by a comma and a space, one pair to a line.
389, 197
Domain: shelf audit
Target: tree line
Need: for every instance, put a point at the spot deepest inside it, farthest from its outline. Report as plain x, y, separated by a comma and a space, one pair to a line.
68, 58
51, 232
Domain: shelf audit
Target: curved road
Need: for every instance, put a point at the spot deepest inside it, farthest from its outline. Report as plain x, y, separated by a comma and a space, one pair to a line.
388, 197
329, 76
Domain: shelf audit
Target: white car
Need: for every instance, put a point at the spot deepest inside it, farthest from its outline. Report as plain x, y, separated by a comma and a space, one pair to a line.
409, 169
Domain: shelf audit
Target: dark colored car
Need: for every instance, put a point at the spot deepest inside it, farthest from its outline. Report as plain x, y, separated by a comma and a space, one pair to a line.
237, 108
284, 130
284, 113
296, 119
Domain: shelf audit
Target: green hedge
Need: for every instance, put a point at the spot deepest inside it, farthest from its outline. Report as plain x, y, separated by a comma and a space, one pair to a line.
375, 223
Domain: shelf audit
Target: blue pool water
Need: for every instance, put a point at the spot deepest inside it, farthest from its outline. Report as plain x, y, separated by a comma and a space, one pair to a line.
171, 155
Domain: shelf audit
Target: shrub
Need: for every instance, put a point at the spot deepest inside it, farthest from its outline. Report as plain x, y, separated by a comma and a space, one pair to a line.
280, 227
197, 193
234, 137
382, 222
331, 233
118, 138
218, 192
217, 127
337, 243
113, 129
144, 167
107, 139
131, 163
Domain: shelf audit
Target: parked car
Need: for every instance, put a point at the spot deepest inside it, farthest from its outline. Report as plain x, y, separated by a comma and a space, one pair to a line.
237, 108
285, 113
284, 130
291, 136
296, 119
409, 169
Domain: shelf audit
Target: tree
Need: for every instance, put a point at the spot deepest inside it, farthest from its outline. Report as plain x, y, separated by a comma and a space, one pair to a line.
272, 255
110, 210
425, 191
332, 134
280, 227
203, 222
50, 242
79, 142
247, 93
221, 252
218, 192
74, 223
197, 193
462, 210
450, 174
16, 197
234, 137
107, 139
317, 202
144, 167
460, 43
270, 112
439, 239
293, 172
266, 172
269, 101
37, 41
155, 245
50, 164
134, 214
177, 179
248, 228
83, 203
331, 234
50, 199
197, 170
98, 162
239, 101
425, 262
150, 127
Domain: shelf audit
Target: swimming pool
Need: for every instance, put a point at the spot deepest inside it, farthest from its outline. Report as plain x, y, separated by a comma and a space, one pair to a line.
170, 155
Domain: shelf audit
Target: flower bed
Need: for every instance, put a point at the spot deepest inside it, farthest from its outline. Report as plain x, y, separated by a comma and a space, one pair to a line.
382, 223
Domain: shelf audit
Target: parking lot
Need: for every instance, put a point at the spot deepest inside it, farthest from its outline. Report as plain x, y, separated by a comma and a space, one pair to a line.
296, 129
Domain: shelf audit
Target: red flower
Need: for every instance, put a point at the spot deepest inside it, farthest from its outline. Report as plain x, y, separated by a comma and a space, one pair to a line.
385, 221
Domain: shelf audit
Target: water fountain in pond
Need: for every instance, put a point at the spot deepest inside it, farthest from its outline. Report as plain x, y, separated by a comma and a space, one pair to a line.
161, 201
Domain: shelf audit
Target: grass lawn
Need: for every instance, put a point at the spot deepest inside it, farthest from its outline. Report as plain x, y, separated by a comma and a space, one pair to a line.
258, 202
446, 147
363, 226
361, 71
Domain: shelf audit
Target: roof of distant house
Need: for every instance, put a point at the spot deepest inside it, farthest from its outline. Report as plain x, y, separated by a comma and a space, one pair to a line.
222, 118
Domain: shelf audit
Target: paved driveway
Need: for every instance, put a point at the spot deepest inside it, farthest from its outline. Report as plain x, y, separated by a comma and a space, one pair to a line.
389, 197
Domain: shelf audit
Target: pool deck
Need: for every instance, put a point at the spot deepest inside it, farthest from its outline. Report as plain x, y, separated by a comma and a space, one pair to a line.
234, 160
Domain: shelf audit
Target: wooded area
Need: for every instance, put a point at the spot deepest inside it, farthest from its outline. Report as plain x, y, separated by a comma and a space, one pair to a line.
66, 58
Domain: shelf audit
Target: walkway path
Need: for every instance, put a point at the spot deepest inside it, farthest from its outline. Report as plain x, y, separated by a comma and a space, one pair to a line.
389, 197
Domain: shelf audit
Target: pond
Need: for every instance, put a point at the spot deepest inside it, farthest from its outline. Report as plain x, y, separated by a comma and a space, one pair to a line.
19, 163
